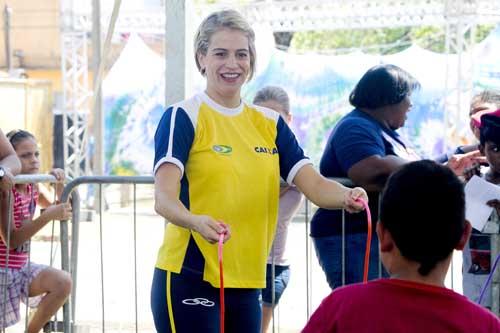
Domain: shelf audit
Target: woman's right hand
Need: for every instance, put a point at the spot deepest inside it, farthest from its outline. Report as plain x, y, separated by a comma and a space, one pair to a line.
58, 212
210, 229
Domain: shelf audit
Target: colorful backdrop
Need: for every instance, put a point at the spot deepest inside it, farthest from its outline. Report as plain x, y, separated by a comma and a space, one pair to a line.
318, 85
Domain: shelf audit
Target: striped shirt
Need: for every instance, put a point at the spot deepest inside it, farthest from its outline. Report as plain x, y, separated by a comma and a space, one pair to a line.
24, 209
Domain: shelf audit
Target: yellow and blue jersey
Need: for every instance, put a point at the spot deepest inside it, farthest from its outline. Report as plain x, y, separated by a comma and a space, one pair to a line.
231, 162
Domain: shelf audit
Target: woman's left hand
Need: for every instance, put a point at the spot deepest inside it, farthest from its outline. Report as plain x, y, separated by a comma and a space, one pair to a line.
351, 203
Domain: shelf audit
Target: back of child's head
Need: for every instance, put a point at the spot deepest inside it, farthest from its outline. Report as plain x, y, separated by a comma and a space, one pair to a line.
423, 208
490, 128
16, 136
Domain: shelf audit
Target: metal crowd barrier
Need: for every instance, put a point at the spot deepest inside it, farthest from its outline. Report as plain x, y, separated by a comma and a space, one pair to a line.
72, 263
495, 282
70, 255
102, 180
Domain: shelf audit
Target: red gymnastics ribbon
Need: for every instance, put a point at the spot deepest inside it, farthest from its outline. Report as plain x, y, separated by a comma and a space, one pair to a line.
221, 285
368, 239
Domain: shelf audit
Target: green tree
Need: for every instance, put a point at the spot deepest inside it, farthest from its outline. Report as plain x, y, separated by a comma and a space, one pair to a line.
376, 41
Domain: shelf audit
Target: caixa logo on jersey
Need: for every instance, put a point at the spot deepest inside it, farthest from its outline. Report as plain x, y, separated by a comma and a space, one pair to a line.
222, 149
265, 150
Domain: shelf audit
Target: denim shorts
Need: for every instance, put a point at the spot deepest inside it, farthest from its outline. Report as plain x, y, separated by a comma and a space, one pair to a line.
329, 253
281, 278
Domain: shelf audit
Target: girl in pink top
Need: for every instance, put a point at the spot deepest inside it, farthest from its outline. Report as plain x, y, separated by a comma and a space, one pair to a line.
47, 288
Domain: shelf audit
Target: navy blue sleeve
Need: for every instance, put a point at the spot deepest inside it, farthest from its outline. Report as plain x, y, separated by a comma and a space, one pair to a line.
292, 157
356, 140
173, 138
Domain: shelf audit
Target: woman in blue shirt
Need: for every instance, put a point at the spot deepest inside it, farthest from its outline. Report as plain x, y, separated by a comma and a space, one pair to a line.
365, 147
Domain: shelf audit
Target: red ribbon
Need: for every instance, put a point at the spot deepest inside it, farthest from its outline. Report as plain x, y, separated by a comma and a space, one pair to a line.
221, 285
368, 239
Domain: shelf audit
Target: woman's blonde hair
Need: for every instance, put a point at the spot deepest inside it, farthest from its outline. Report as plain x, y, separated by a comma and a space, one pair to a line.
229, 19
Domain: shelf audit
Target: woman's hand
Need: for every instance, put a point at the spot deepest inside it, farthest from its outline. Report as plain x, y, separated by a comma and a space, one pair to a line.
351, 203
210, 229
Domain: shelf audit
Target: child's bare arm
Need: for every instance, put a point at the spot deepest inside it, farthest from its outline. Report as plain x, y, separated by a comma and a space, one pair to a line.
45, 196
21, 235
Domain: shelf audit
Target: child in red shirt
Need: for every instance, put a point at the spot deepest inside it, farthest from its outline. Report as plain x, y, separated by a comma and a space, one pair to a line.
422, 220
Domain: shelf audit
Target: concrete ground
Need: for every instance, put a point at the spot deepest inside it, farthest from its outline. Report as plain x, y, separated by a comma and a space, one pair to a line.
119, 274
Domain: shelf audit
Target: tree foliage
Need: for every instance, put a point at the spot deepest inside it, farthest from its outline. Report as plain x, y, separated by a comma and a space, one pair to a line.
376, 41
372, 41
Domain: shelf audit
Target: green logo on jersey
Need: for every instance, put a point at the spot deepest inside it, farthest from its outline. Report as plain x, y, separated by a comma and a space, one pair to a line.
222, 149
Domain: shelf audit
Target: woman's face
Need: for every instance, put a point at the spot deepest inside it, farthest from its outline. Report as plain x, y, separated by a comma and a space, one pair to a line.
274, 105
28, 154
226, 64
396, 115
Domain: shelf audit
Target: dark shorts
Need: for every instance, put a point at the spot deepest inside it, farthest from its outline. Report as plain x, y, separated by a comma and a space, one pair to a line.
281, 278
185, 304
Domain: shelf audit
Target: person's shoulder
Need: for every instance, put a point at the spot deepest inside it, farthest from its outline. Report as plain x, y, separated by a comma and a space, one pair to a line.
347, 299
463, 305
356, 119
263, 111
353, 291
189, 105
185, 109
489, 322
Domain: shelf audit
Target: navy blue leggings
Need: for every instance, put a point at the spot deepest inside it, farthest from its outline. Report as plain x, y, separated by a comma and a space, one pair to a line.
185, 304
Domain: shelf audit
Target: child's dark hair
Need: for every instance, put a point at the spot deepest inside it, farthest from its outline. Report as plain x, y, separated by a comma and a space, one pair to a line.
16, 136
382, 85
423, 208
490, 129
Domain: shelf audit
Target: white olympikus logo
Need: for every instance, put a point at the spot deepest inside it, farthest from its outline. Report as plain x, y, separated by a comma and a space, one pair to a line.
198, 301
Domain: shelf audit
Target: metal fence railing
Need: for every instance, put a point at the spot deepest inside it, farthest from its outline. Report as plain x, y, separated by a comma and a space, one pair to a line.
72, 262
111, 262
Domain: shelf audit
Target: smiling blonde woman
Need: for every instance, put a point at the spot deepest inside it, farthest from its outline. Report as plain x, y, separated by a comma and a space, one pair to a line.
217, 169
